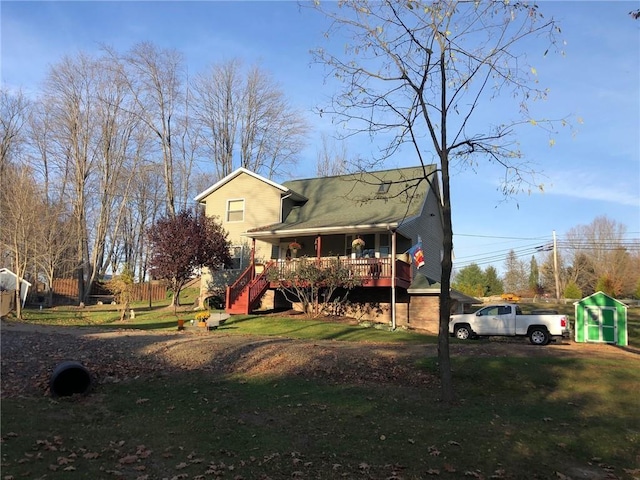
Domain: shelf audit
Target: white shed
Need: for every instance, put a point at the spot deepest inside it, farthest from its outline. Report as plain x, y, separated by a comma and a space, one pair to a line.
9, 282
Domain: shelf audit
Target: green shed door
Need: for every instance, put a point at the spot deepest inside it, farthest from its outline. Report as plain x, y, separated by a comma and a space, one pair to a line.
601, 324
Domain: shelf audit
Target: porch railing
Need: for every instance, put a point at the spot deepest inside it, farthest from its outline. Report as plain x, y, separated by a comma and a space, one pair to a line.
367, 268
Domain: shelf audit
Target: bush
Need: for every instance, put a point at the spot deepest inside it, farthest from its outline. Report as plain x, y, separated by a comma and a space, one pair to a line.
572, 291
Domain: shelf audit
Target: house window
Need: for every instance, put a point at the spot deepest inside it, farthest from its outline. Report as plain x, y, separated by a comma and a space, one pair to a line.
235, 210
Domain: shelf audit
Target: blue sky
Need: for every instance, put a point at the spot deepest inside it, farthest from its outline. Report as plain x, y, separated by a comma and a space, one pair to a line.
590, 172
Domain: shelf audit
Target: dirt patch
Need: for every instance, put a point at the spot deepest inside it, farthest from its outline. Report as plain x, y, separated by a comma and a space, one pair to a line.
30, 353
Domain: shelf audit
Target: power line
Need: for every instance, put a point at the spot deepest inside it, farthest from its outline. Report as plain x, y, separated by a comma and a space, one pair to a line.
630, 245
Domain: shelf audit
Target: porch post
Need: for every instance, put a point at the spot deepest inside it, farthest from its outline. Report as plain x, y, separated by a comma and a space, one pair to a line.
393, 279
253, 258
318, 245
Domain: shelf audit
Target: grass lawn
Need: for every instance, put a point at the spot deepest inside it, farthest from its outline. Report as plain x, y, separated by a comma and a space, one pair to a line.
516, 418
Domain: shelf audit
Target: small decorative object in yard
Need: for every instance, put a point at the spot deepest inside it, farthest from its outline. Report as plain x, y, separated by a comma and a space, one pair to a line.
201, 318
357, 244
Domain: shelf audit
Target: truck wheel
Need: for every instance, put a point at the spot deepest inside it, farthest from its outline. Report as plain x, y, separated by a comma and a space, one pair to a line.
539, 336
463, 332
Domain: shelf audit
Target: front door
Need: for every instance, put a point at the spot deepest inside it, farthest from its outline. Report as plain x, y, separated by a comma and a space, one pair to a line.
600, 324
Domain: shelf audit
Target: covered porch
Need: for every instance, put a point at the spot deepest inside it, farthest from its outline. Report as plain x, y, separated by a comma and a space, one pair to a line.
375, 254
370, 255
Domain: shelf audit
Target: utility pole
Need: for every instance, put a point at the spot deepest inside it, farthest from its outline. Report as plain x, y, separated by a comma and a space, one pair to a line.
555, 266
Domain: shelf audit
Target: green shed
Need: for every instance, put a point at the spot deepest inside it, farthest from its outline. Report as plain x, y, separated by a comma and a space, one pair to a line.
601, 318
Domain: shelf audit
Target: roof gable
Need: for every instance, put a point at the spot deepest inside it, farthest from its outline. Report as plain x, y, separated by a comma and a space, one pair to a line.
599, 298
201, 196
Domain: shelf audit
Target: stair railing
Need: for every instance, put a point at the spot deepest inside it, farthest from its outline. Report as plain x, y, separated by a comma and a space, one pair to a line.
234, 291
259, 284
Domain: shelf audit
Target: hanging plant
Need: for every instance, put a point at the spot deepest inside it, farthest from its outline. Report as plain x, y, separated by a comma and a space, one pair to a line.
357, 244
295, 246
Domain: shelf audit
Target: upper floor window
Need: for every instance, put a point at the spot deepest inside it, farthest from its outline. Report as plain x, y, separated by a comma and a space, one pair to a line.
235, 210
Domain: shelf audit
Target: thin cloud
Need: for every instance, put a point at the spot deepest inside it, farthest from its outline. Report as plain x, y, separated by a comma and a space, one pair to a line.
595, 186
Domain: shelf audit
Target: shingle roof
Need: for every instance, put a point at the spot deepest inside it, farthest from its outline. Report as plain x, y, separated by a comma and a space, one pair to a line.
421, 285
353, 200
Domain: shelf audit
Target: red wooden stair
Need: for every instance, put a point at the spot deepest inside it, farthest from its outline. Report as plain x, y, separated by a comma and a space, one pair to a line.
245, 294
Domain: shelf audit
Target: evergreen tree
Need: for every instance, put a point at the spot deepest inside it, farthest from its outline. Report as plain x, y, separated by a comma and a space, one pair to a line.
470, 281
534, 276
493, 284
572, 290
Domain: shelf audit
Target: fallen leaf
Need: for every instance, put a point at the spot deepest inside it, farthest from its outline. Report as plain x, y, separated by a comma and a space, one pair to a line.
128, 459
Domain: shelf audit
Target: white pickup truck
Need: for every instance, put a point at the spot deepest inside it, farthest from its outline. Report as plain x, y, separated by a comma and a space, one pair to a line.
508, 320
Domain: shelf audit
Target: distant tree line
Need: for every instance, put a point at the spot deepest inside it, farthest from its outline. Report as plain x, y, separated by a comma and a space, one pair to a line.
113, 142
591, 258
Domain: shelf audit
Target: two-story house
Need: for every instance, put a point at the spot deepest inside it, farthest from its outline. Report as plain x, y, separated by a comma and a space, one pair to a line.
389, 210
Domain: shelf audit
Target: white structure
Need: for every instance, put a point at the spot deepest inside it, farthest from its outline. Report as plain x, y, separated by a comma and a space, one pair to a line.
9, 281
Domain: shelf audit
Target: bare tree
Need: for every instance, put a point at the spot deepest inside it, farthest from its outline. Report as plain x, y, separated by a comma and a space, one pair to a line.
19, 203
16, 184
272, 132
246, 120
85, 144
116, 165
599, 251
331, 158
70, 94
188, 148
417, 73
13, 115
154, 77
54, 246
216, 96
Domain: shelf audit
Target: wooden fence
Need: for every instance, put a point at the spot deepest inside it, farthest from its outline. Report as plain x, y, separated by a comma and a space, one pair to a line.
65, 290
